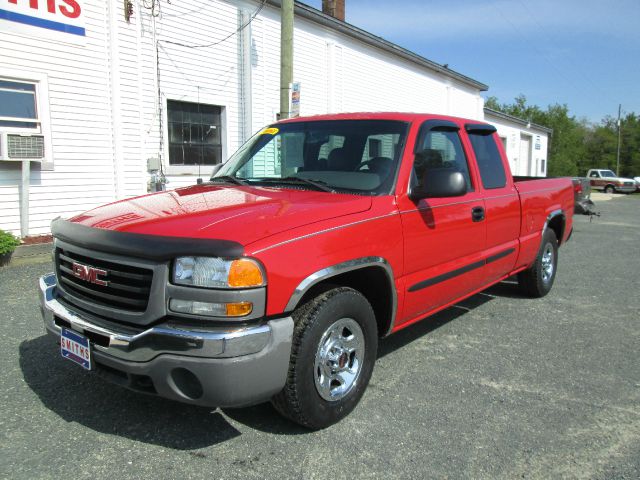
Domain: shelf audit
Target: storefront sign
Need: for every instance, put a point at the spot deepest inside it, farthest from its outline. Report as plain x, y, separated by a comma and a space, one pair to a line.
54, 19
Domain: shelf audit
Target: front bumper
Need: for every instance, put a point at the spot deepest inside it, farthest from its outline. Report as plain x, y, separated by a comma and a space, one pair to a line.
224, 367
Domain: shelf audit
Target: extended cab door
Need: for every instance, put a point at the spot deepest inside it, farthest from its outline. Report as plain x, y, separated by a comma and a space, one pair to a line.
501, 200
596, 180
443, 237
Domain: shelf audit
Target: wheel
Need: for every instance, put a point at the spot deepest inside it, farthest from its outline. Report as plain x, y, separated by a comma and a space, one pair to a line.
335, 342
609, 189
538, 279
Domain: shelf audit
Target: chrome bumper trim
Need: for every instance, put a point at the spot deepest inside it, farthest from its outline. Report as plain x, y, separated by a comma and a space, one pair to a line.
162, 339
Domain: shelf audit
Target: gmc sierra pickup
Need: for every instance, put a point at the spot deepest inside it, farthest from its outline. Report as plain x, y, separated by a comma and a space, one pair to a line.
276, 278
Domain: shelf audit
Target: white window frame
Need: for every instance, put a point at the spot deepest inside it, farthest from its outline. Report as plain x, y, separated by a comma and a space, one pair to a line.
35, 120
40, 80
205, 170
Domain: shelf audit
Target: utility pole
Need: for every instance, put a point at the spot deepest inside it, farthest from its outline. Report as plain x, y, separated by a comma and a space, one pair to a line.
286, 56
619, 129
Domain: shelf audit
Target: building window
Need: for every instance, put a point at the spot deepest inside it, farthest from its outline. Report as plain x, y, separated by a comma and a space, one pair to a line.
25, 130
543, 166
18, 105
195, 133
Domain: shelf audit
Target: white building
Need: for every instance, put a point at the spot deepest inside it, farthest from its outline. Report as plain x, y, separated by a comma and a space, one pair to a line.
94, 96
525, 143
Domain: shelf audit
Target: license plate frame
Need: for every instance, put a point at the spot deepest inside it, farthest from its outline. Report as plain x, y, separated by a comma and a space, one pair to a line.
75, 347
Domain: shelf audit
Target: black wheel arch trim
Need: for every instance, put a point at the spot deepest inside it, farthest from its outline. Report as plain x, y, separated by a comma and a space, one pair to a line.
348, 266
554, 214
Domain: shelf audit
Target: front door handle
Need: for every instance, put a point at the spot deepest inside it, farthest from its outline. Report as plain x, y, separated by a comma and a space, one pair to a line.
477, 214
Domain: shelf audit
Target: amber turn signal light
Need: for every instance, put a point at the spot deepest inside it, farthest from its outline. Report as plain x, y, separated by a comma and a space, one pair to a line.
245, 273
239, 309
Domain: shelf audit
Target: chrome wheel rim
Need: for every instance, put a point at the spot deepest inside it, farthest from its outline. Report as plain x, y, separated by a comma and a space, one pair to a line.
547, 263
339, 359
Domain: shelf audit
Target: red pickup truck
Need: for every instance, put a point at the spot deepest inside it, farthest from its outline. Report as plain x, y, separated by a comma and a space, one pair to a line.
275, 279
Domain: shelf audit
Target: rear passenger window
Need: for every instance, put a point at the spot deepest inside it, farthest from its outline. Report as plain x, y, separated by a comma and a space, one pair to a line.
489, 160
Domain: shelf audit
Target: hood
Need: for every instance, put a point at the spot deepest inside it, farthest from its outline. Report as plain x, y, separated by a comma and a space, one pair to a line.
614, 179
242, 214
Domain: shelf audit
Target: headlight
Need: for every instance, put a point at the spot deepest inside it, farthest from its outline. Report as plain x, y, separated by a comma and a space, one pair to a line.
212, 272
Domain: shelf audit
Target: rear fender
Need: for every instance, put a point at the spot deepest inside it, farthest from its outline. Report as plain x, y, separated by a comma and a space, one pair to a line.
556, 221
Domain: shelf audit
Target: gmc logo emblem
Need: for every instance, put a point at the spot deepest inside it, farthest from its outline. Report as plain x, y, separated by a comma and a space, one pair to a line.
89, 274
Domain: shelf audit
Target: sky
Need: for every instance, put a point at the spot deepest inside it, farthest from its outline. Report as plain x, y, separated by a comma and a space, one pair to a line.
583, 53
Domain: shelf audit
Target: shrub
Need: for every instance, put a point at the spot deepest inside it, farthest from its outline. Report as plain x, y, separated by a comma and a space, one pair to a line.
8, 242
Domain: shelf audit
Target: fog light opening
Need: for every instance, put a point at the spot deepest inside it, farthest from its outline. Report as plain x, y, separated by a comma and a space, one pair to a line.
186, 383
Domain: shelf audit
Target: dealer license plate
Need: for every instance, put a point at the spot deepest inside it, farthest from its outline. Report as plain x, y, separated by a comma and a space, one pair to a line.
76, 348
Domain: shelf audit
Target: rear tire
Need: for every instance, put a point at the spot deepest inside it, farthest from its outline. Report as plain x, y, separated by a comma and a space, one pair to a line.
538, 279
334, 348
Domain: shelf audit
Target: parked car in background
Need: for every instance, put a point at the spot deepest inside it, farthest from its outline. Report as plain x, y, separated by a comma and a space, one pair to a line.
637, 180
609, 182
581, 195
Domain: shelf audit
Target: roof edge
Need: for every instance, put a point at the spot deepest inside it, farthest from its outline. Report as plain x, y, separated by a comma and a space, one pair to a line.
309, 13
518, 120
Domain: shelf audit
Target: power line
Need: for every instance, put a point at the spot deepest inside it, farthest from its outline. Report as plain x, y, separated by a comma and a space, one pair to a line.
238, 30
199, 9
156, 3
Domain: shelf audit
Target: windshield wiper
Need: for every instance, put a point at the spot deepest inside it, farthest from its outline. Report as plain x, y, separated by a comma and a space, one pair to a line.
317, 184
228, 178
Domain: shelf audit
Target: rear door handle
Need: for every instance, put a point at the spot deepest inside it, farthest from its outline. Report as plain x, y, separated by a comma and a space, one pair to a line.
477, 214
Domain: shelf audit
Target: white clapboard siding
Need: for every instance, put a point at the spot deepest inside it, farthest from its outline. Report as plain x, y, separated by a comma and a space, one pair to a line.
80, 120
108, 95
512, 131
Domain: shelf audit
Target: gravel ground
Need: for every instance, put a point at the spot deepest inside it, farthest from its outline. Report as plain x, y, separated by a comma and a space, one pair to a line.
498, 387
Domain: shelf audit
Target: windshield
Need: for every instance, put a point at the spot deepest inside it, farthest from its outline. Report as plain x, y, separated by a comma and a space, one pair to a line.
608, 173
356, 156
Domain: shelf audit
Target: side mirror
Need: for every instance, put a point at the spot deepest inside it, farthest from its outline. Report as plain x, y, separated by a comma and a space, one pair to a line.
440, 182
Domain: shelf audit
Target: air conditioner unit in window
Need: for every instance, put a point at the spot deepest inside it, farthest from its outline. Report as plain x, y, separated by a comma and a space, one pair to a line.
23, 147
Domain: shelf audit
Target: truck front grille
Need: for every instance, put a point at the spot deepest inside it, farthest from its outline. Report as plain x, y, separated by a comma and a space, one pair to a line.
118, 285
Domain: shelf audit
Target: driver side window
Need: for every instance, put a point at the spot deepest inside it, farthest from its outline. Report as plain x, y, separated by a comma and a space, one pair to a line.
440, 149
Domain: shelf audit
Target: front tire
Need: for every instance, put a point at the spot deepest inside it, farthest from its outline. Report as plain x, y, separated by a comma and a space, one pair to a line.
334, 348
538, 279
609, 189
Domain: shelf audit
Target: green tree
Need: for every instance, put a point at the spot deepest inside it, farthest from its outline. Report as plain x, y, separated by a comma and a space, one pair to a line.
575, 145
630, 146
602, 145
566, 143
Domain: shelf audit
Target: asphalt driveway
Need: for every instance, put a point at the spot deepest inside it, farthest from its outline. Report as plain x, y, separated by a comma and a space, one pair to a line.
500, 386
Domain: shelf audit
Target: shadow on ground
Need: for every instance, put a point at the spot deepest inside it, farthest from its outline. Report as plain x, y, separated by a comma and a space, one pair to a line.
507, 289
84, 398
